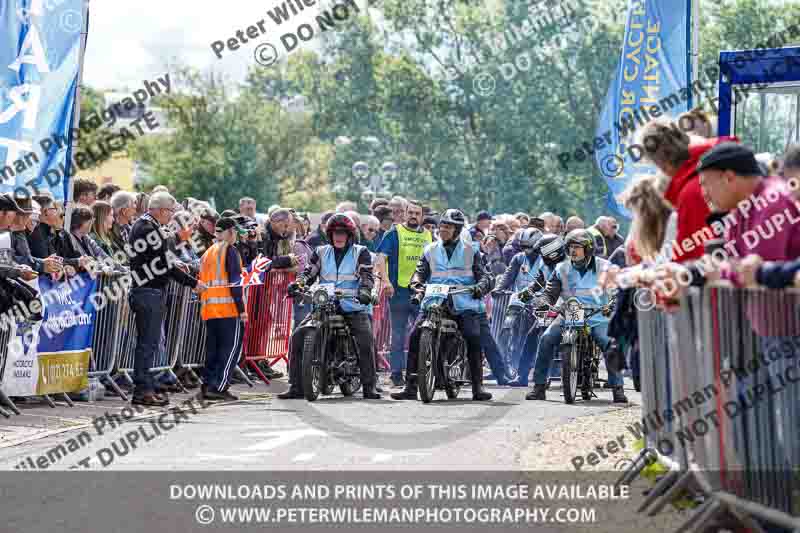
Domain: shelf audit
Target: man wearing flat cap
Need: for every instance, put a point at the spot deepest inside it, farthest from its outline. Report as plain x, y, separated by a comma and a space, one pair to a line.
767, 218
19, 240
222, 310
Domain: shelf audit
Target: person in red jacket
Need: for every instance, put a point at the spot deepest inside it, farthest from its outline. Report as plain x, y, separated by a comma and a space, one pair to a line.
676, 154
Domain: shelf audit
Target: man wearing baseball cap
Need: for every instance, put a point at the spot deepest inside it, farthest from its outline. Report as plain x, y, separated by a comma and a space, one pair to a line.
222, 310
9, 268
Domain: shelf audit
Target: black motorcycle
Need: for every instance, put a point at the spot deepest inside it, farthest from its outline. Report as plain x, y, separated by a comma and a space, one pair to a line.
580, 355
330, 354
442, 358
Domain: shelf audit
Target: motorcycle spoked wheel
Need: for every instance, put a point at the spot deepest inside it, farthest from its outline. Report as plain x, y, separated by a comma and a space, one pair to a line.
427, 366
314, 376
570, 371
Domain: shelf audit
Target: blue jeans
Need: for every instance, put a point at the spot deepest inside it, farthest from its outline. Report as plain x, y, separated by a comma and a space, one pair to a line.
300, 312
489, 346
549, 344
529, 350
148, 312
401, 311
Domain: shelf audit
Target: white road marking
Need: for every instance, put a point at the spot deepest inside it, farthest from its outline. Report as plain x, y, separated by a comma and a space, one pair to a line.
277, 439
303, 457
381, 457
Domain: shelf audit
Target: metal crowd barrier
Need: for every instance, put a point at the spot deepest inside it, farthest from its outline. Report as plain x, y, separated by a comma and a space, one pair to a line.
382, 331
107, 338
269, 311
183, 334
189, 346
726, 367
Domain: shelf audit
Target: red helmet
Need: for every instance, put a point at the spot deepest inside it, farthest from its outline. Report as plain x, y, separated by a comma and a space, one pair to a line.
341, 222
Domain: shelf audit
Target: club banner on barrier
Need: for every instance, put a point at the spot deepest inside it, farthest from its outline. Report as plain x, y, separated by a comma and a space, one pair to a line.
52, 356
40, 49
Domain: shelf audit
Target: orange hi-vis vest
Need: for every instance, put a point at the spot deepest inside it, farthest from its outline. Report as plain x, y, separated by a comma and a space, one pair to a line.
217, 301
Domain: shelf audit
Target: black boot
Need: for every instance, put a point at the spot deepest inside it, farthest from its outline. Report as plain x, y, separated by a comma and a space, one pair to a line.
369, 392
619, 395
409, 392
538, 393
480, 395
291, 394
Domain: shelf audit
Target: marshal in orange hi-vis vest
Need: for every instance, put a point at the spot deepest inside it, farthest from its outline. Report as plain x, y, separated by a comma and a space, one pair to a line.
217, 301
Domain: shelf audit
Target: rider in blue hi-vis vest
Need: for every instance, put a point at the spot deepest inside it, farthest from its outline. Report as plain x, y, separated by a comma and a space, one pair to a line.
455, 262
522, 271
576, 277
456, 271
550, 252
348, 267
343, 277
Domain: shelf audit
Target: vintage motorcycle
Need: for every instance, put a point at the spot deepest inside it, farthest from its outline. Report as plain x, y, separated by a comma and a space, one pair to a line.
442, 359
580, 355
330, 354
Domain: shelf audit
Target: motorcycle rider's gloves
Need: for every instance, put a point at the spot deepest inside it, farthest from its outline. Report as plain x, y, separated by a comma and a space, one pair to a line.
525, 296
294, 289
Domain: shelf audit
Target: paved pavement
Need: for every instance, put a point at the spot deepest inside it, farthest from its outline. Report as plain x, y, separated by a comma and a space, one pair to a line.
261, 432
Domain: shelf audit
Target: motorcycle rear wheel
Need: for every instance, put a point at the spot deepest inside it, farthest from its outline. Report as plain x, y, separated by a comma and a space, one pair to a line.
426, 367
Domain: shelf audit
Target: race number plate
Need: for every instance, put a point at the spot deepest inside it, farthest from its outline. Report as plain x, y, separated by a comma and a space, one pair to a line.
433, 289
575, 316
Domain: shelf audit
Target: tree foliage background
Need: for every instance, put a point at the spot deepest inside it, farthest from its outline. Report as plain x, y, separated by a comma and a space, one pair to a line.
400, 83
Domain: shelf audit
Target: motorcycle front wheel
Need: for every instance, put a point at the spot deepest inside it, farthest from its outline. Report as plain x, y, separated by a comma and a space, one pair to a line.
426, 366
569, 371
314, 378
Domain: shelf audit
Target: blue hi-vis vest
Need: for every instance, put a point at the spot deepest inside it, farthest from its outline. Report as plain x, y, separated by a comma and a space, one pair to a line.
584, 288
525, 276
455, 271
344, 278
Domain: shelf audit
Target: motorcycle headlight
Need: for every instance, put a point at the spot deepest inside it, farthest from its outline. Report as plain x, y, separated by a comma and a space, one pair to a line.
573, 305
320, 297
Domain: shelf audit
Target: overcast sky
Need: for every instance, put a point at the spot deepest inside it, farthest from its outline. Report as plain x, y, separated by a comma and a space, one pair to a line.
129, 41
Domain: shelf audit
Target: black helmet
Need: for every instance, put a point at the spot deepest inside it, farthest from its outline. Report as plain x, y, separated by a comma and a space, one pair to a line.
341, 222
551, 247
529, 237
454, 217
583, 238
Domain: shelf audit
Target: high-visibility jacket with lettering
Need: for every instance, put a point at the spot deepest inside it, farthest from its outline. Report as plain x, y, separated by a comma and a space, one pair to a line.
344, 278
584, 288
410, 246
455, 271
526, 275
217, 301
